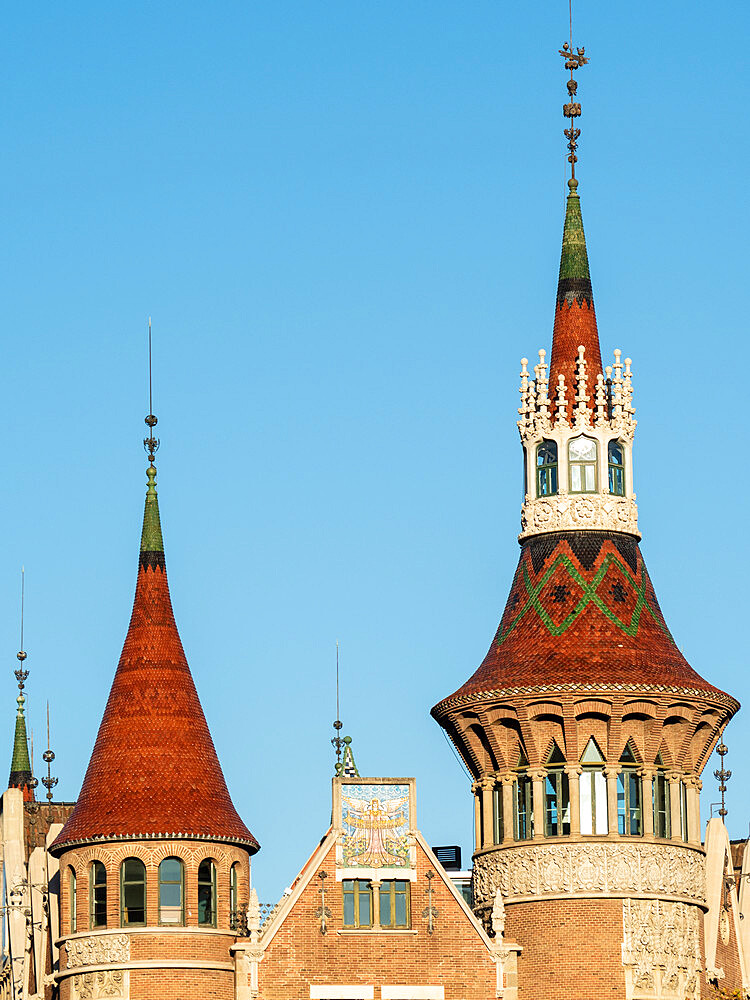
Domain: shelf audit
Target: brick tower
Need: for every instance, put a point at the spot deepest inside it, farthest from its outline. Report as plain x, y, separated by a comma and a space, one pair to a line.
585, 728
154, 861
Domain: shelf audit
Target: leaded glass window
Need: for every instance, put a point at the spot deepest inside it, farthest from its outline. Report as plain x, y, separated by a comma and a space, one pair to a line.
582, 454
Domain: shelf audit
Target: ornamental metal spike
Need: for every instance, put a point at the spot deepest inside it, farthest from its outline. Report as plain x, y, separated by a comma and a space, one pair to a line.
573, 61
722, 776
150, 443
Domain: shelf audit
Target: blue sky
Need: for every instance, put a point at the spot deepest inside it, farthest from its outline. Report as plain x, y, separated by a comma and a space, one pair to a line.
345, 220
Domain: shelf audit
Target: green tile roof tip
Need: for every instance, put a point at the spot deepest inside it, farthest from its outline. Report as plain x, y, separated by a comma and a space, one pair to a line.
575, 280
151, 540
20, 764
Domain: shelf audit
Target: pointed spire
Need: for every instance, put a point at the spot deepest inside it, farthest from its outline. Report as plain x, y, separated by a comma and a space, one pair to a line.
20, 765
575, 319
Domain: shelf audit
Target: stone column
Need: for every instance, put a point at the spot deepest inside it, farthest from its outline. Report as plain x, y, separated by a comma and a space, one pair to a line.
573, 772
694, 786
488, 824
674, 778
506, 781
477, 816
375, 905
610, 773
537, 778
647, 800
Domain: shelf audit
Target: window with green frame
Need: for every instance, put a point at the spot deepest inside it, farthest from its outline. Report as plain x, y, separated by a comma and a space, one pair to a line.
546, 469
582, 457
357, 899
395, 909
97, 895
207, 893
72, 900
661, 803
683, 811
556, 796
629, 816
132, 892
616, 462
234, 895
497, 815
171, 891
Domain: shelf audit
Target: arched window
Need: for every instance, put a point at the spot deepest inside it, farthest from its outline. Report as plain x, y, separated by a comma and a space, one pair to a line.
234, 895
546, 469
72, 900
660, 795
97, 895
629, 820
171, 892
133, 892
582, 465
616, 460
523, 802
556, 796
207, 893
593, 791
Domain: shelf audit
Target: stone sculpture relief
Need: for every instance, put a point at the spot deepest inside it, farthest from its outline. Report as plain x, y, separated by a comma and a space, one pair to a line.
554, 869
661, 949
96, 985
104, 949
563, 513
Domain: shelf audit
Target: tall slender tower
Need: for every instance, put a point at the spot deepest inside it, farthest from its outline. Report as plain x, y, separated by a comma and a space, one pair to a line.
154, 860
585, 728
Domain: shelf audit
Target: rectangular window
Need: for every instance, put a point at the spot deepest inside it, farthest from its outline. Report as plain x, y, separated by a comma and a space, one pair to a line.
660, 796
523, 816
394, 905
357, 903
593, 802
683, 812
629, 803
556, 805
497, 815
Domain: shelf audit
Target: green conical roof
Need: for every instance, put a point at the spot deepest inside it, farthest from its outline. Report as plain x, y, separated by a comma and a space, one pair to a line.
575, 280
151, 540
20, 765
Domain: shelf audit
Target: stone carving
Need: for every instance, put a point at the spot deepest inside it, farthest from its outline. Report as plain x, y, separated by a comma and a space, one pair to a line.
584, 868
97, 985
595, 510
661, 949
107, 949
497, 919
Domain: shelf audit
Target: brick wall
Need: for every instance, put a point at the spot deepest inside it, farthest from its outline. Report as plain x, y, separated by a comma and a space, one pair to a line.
572, 948
300, 956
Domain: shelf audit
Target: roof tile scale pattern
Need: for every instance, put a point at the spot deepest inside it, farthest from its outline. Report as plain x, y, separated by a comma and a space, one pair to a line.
582, 611
154, 771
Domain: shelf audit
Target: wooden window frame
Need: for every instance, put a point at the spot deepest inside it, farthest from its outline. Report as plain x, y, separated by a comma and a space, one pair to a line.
614, 467
123, 883
94, 868
547, 474
523, 792
662, 815
583, 465
161, 881
213, 915
627, 780
358, 887
561, 792
72, 900
388, 892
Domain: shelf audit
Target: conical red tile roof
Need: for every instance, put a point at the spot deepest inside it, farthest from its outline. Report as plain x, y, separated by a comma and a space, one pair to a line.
154, 771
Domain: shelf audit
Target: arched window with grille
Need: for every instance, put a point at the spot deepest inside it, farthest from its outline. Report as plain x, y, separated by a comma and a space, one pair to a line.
207, 893
582, 457
132, 892
171, 891
616, 463
546, 469
97, 895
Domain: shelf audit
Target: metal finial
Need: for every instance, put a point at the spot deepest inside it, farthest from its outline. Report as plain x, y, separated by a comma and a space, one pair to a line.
722, 776
151, 443
337, 742
48, 756
21, 674
573, 61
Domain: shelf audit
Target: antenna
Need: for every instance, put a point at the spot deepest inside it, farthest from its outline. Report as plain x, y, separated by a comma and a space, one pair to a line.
151, 443
337, 741
573, 61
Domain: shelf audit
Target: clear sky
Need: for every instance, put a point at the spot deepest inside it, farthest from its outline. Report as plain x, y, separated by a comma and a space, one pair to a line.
345, 220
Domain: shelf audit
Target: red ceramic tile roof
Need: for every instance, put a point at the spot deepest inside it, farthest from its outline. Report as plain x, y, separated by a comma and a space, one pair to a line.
581, 611
575, 325
154, 770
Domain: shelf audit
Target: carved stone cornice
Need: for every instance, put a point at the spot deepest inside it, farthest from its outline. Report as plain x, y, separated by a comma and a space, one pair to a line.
564, 512
616, 868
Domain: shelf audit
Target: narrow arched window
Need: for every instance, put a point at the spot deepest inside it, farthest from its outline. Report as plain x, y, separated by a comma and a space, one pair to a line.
207, 893
629, 816
556, 796
171, 892
582, 465
546, 469
97, 895
661, 801
593, 791
234, 895
133, 892
616, 461
72, 900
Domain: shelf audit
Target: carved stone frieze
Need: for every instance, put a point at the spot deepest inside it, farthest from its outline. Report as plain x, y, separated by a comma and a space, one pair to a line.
112, 984
563, 512
105, 949
585, 868
660, 949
